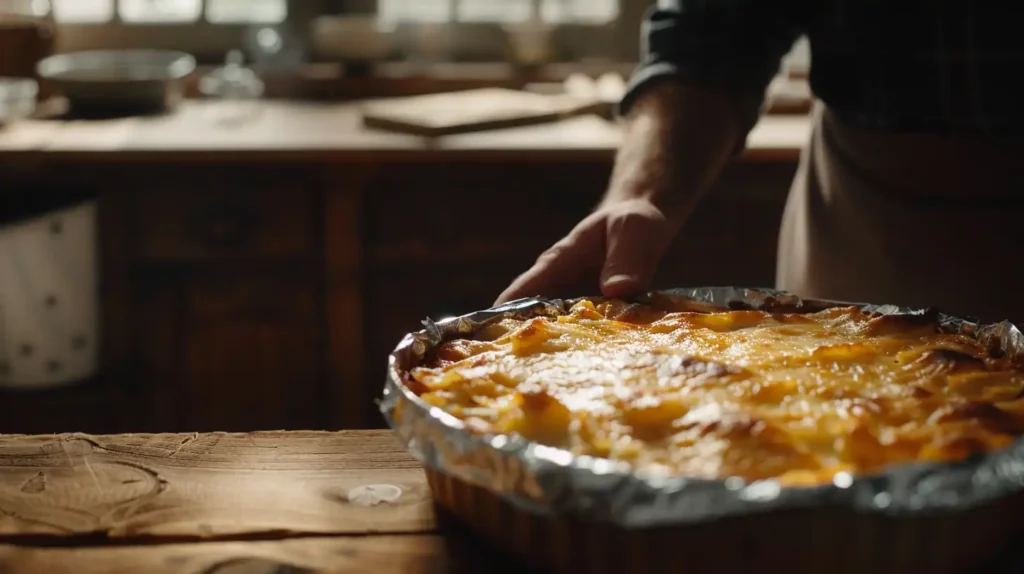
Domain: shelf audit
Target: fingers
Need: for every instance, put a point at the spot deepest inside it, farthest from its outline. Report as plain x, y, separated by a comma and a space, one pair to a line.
554, 269
636, 241
619, 246
532, 282
565, 264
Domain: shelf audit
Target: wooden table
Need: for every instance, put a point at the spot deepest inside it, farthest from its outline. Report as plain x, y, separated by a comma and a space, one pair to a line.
218, 503
283, 502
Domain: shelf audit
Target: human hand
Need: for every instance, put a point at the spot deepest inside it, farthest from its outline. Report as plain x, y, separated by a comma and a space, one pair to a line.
676, 139
617, 248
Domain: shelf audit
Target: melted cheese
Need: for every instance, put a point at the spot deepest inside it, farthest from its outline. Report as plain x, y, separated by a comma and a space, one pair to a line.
797, 397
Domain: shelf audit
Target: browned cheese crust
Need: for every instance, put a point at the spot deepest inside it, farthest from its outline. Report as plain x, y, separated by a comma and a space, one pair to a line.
712, 394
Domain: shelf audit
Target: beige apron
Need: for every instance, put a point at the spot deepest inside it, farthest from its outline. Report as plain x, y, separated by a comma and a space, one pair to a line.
913, 220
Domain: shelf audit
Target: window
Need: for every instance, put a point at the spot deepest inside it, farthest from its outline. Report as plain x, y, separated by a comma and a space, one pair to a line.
489, 11
208, 29
170, 11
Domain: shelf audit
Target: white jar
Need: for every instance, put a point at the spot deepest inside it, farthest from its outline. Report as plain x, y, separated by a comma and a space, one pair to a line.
49, 299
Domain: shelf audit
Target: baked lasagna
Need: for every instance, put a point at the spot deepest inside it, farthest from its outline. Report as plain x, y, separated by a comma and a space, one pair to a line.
711, 394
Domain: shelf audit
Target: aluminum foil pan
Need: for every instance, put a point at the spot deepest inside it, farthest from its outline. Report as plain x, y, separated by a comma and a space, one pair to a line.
551, 481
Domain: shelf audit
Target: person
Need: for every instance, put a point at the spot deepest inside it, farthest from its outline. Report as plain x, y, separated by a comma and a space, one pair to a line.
908, 191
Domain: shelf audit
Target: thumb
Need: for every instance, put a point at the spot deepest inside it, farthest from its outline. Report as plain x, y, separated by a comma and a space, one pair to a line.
636, 241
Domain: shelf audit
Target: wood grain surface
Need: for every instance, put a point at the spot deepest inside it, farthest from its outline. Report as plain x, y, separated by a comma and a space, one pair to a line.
415, 554
197, 486
369, 555
219, 503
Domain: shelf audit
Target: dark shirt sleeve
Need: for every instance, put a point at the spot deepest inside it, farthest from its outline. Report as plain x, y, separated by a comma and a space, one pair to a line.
734, 45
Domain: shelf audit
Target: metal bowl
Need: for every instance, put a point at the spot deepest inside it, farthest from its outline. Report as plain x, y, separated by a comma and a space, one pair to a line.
118, 82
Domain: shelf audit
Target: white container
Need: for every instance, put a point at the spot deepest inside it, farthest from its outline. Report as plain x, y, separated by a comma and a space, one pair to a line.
49, 299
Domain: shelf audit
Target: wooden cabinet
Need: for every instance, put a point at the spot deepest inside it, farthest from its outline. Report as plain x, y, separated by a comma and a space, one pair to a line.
250, 354
204, 222
466, 213
213, 291
98, 406
241, 297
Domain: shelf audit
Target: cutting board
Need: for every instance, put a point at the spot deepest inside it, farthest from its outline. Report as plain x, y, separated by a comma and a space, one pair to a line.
472, 110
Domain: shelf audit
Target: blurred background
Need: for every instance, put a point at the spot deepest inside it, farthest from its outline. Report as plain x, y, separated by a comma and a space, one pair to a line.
223, 214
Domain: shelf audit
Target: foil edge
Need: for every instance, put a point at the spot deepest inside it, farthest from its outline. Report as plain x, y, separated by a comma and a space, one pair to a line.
551, 481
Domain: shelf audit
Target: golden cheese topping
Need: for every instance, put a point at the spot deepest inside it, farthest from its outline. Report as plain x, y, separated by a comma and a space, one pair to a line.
797, 397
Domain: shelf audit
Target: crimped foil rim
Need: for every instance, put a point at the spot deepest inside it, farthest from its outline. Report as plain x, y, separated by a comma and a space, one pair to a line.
551, 481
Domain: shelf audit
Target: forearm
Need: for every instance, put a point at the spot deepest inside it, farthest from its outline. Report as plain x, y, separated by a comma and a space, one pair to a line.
676, 140
697, 93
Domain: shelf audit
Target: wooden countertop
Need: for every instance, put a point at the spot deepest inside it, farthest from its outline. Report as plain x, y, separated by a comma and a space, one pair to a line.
217, 503
316, 132
297, 501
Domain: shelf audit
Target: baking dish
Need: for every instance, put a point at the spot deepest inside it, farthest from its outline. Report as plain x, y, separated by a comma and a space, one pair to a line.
105, 83
583, 515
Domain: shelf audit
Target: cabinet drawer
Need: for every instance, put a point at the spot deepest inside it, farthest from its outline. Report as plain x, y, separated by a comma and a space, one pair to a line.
207, 222
475, 213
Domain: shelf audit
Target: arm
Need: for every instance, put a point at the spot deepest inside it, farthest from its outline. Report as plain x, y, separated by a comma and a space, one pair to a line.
689, 108
698, 92
676, 139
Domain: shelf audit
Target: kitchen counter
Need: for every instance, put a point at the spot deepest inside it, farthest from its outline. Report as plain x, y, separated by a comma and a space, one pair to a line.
315, 132
272, 501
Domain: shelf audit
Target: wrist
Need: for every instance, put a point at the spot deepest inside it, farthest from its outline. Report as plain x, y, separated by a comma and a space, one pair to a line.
646, 165
675, 141
658, 102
